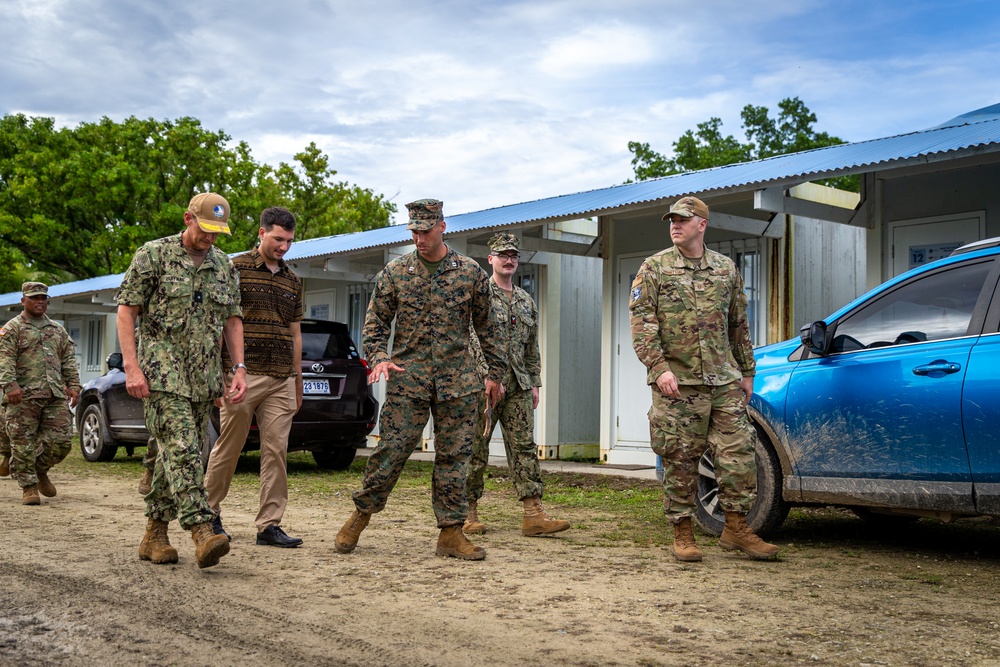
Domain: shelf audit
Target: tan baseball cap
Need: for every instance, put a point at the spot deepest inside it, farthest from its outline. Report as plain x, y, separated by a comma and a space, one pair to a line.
687, 207
211, 211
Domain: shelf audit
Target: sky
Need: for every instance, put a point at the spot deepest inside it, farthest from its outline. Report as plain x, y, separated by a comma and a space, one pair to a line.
489, 102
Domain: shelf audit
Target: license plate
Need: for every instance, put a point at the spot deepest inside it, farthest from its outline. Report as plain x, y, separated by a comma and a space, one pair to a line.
315, 386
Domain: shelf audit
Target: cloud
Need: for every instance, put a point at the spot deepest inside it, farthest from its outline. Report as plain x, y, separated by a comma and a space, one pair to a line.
597, 47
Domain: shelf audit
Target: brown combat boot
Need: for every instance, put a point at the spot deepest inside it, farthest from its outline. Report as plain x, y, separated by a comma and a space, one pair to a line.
45, 485
146, 483
536, 522
209, 547
5, 465
473, 526
29, 495
155, 546
684, 549
347, 537
453, 542
737, 535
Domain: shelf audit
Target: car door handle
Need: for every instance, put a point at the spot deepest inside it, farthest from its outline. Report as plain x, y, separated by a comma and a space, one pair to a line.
938, 368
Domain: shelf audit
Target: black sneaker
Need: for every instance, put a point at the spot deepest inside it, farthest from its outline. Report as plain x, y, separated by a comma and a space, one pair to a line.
217, 527
274, 536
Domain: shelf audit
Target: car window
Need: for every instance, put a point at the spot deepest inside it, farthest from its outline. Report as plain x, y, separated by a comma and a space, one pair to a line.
935, 306
325, 345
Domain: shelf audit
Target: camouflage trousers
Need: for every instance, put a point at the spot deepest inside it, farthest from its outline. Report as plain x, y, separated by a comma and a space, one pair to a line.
516, 416
152, 452
178, 492
680, 429
4, 438
400, 426
40, 432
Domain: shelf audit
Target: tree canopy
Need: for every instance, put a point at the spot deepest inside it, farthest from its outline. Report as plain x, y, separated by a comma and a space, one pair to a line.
791, 132
77, 202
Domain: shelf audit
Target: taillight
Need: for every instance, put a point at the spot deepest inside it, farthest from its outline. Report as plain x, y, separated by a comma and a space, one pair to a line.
368, 369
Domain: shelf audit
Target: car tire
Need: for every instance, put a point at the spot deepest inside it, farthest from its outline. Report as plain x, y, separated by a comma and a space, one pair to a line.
96, 444
769, 510
339, 458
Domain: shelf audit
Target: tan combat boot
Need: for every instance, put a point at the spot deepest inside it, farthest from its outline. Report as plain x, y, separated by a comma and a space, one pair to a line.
537, 522
473, 526
684, 549
29, 495
737, 535
453, 542
209, 547
5, 465
347, 537
45, 485
146, 483
155, 546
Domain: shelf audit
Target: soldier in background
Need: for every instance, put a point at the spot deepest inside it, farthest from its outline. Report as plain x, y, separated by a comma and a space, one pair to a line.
184, 293
516, 322
432, 294
38, 373
688, 315
4, 444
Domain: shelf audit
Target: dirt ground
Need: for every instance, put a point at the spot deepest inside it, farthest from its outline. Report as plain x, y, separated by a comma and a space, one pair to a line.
843, 593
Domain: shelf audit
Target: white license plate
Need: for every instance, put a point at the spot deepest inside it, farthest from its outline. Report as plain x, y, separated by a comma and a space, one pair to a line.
315, 386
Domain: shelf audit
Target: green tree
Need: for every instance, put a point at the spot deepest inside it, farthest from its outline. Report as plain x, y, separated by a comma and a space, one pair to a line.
77, 202
790, 132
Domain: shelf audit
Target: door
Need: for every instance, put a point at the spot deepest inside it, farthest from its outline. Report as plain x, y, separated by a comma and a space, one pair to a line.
634, 398
916, 242
886, 403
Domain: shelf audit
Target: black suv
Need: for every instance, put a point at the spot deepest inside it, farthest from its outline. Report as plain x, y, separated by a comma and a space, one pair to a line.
338, 411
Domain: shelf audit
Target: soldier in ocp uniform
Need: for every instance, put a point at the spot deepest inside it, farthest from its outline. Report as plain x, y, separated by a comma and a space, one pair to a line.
689, 328
432, 294
516, 322
38, 373
184, 293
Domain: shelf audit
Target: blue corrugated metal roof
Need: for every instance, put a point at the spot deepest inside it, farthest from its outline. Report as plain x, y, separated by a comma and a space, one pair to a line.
976, 129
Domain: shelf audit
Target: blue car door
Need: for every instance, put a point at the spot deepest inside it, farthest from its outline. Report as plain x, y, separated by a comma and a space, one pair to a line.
882, 413
981, 417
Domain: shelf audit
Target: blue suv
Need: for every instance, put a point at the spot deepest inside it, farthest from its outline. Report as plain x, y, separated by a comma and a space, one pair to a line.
890, 406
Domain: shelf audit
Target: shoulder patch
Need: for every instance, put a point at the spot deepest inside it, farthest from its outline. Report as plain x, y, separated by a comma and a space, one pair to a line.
636, 293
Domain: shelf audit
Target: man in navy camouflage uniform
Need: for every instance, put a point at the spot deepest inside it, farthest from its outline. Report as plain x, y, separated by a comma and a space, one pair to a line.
432, 294
184, 293
689, 328
515, 318
38, 373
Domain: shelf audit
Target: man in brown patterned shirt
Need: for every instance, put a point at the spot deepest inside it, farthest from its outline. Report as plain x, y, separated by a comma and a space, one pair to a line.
271, 298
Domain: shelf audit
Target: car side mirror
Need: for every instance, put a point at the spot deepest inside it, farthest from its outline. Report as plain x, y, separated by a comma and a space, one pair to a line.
115, 361
813, 336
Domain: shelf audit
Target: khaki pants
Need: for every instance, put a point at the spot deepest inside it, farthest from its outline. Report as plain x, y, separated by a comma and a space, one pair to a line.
272, 400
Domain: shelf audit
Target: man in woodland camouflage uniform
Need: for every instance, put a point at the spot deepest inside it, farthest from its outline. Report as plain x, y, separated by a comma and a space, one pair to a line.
184, 292
432, 294
689, 328
515, 318
37, 373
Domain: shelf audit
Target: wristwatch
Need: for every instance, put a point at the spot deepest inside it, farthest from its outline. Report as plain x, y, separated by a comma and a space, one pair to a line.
238, 366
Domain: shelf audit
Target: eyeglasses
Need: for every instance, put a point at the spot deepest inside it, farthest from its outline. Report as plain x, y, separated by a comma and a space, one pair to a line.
507, 256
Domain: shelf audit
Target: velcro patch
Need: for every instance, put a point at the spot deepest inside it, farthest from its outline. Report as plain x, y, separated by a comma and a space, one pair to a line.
636, 294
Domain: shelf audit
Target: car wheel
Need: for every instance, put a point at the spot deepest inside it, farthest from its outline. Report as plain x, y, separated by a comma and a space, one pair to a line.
96, 443
334, 459
769, 510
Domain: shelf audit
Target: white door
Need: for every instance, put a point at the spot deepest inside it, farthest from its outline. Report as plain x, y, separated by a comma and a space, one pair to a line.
916, 242
634, 398
321, 305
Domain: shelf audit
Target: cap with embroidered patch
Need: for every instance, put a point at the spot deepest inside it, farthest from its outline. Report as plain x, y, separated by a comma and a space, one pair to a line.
687, 207
504, 241
211, 211
34, 289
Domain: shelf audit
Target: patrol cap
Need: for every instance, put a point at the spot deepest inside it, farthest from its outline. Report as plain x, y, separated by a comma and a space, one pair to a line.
34, 289
687, 207
424, 214
504, 241
211, 211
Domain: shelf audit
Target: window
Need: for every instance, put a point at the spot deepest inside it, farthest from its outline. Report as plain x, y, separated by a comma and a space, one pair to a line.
746, 254
935, 306
95, 337
358, 297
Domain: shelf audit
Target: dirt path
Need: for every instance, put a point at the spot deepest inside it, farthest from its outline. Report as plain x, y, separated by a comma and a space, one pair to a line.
74, 592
